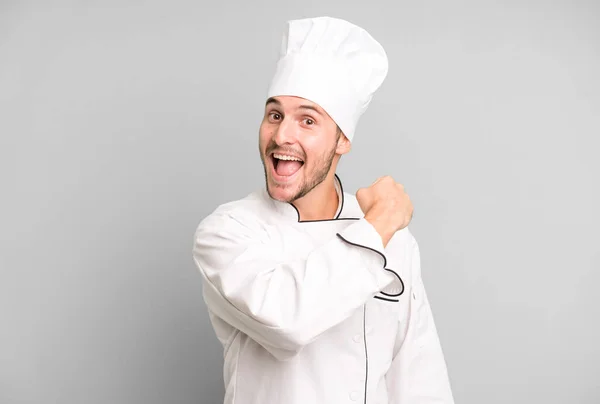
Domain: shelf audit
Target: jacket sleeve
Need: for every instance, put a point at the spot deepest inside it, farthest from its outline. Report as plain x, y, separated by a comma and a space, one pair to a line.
282, 302
418, 372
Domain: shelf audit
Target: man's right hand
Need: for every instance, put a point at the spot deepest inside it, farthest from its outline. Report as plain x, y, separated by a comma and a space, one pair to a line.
386, 206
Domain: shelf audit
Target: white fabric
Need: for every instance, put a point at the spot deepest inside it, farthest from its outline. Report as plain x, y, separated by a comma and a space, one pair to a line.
333, 63
298, 308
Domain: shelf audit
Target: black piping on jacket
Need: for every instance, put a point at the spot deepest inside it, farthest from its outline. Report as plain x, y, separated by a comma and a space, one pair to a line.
389, 297
384, 267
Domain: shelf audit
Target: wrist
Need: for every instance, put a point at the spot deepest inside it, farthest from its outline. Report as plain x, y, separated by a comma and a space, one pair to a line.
383, 227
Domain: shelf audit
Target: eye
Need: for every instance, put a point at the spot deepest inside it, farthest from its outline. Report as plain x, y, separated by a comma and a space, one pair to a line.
309, 121
276, 116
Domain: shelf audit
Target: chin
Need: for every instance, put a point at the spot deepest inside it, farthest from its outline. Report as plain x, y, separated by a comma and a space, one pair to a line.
282, 193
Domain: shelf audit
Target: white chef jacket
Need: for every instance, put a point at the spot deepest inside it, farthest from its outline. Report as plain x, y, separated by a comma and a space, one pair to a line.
317, 312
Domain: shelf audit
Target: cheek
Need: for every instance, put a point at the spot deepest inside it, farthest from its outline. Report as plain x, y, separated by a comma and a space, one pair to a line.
264, 135
317, 148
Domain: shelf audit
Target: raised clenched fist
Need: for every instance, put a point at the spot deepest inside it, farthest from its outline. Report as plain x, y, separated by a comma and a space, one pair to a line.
386, 206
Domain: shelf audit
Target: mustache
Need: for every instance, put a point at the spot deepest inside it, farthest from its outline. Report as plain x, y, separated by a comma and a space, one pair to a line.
283, 150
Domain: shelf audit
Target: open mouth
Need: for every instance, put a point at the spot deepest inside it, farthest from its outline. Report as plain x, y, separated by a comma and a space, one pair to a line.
286, 165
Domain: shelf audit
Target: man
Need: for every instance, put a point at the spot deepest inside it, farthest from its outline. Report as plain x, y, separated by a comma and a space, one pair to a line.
317, 295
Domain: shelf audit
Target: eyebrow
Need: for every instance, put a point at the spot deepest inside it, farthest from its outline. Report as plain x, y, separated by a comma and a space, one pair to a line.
311, 108
273, 100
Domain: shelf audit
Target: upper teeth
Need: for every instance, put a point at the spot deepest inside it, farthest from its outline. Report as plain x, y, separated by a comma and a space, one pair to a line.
284, 157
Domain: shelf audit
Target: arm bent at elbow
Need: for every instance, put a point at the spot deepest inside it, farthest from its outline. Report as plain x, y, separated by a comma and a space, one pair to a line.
284, 304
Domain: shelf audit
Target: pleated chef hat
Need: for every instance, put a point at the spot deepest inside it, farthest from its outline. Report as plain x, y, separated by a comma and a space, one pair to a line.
333, 63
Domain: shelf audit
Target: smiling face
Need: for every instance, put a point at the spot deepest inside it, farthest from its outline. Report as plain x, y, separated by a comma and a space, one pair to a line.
298, 144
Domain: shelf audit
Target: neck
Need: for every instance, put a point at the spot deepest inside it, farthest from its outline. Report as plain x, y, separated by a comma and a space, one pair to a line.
321, 202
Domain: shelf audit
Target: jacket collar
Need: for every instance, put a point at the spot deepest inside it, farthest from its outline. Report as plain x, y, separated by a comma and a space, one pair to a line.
290, 212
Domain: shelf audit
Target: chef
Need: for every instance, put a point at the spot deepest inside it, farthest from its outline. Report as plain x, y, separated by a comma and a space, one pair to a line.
316, 294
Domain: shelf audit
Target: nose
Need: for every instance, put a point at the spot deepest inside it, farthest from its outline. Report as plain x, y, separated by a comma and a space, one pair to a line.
285, 133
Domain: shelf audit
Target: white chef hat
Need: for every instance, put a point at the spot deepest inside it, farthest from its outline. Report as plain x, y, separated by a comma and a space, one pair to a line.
333, 63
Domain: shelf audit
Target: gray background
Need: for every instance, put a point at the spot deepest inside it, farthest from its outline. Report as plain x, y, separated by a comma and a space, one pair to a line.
124, 123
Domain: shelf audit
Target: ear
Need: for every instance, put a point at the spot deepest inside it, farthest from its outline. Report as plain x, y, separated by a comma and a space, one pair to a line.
343, 145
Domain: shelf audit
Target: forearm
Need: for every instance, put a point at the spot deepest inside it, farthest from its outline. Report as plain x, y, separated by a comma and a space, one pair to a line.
288, 304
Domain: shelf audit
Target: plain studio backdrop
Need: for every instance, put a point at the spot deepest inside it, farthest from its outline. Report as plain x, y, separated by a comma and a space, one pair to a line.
124, 123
